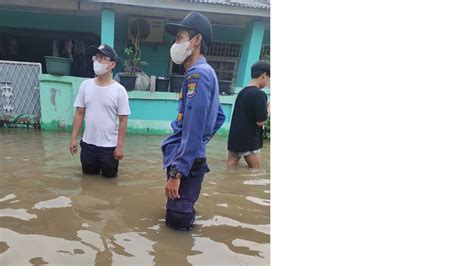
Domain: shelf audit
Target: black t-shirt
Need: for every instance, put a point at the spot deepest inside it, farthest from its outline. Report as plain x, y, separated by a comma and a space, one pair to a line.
250, 108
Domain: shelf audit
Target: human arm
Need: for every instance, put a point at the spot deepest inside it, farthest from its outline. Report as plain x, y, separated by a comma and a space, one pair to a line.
118, 152
261, 108
197, 106
80, 105
123, 113
220, 120
76, 127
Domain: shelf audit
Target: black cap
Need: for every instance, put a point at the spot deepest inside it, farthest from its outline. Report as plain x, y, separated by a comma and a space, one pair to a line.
104, 49
194, 21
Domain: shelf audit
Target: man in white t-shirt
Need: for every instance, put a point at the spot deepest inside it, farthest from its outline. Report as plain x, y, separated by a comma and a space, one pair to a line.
103, 103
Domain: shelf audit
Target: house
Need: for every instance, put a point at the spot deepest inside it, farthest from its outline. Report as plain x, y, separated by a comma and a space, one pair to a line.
31, 30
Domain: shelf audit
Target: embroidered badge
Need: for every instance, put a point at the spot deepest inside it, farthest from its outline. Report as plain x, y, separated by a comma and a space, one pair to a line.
191, 90
180, 117
194, 76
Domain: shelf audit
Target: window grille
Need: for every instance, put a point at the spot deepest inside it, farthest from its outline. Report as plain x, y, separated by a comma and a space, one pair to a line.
225, 49
265, 52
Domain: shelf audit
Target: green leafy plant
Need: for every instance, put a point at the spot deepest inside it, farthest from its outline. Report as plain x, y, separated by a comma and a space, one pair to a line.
133, 59
266, 129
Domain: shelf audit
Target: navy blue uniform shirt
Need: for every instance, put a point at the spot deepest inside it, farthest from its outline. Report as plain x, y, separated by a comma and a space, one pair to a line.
200, 115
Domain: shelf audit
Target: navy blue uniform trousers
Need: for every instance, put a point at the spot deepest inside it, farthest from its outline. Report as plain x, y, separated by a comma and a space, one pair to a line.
180, 213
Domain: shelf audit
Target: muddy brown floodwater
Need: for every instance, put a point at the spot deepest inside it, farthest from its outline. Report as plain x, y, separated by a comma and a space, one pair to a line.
51, 213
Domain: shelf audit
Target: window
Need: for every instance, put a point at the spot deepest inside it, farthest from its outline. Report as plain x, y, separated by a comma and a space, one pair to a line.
31, 45
265, 52
224, 58
224, 49
225, 68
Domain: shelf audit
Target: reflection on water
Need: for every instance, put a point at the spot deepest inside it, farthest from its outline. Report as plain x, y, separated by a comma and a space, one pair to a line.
59, 202
21, 214
8, 197
51, 213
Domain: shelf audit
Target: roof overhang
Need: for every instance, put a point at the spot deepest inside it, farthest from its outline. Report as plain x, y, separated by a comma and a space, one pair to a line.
187, 6
173, 10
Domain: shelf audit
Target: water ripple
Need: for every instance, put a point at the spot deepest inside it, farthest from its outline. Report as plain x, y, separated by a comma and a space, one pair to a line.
263, 202
220, 220
257, 182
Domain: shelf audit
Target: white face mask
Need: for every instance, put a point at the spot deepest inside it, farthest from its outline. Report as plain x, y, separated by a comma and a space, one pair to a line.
100, 69
179, 53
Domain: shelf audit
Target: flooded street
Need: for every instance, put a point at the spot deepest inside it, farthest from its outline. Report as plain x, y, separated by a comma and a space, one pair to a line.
51, 213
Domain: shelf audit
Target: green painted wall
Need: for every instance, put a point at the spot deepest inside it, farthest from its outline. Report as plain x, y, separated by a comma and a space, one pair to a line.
157, 55
228, 34
57, 96
153, 109
58, 93
158, 59
47, 21
266, 37
152, 112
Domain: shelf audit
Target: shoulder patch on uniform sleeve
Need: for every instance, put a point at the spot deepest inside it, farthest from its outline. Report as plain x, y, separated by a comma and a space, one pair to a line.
194, 76
191, 89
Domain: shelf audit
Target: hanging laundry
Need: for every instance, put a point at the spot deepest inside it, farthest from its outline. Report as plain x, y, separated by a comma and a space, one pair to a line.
55, 48
68, 46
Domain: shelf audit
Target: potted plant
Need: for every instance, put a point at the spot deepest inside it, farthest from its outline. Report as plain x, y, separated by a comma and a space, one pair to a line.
132, 64
162, 84
57, 65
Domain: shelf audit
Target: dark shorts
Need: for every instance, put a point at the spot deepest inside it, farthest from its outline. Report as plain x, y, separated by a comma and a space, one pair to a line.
95, 160
180, 213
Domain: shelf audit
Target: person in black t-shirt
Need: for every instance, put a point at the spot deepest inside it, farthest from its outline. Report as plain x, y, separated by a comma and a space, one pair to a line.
250, 113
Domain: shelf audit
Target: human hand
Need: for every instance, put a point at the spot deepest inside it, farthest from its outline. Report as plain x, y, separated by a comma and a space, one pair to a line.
118, 153
73, 147
172, 188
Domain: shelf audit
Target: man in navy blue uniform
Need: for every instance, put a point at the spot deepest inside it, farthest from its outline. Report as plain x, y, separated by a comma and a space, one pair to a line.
200, 115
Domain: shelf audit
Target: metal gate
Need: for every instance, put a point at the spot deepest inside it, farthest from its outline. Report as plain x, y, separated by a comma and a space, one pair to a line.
19, 92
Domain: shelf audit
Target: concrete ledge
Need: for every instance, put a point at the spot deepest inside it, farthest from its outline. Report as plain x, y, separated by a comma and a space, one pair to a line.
152, 112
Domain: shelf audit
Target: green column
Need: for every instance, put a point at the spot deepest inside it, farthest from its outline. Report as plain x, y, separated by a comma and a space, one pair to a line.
107, 29
250, 51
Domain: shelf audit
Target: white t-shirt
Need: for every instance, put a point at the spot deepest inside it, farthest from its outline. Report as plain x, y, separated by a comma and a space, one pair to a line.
103, 106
